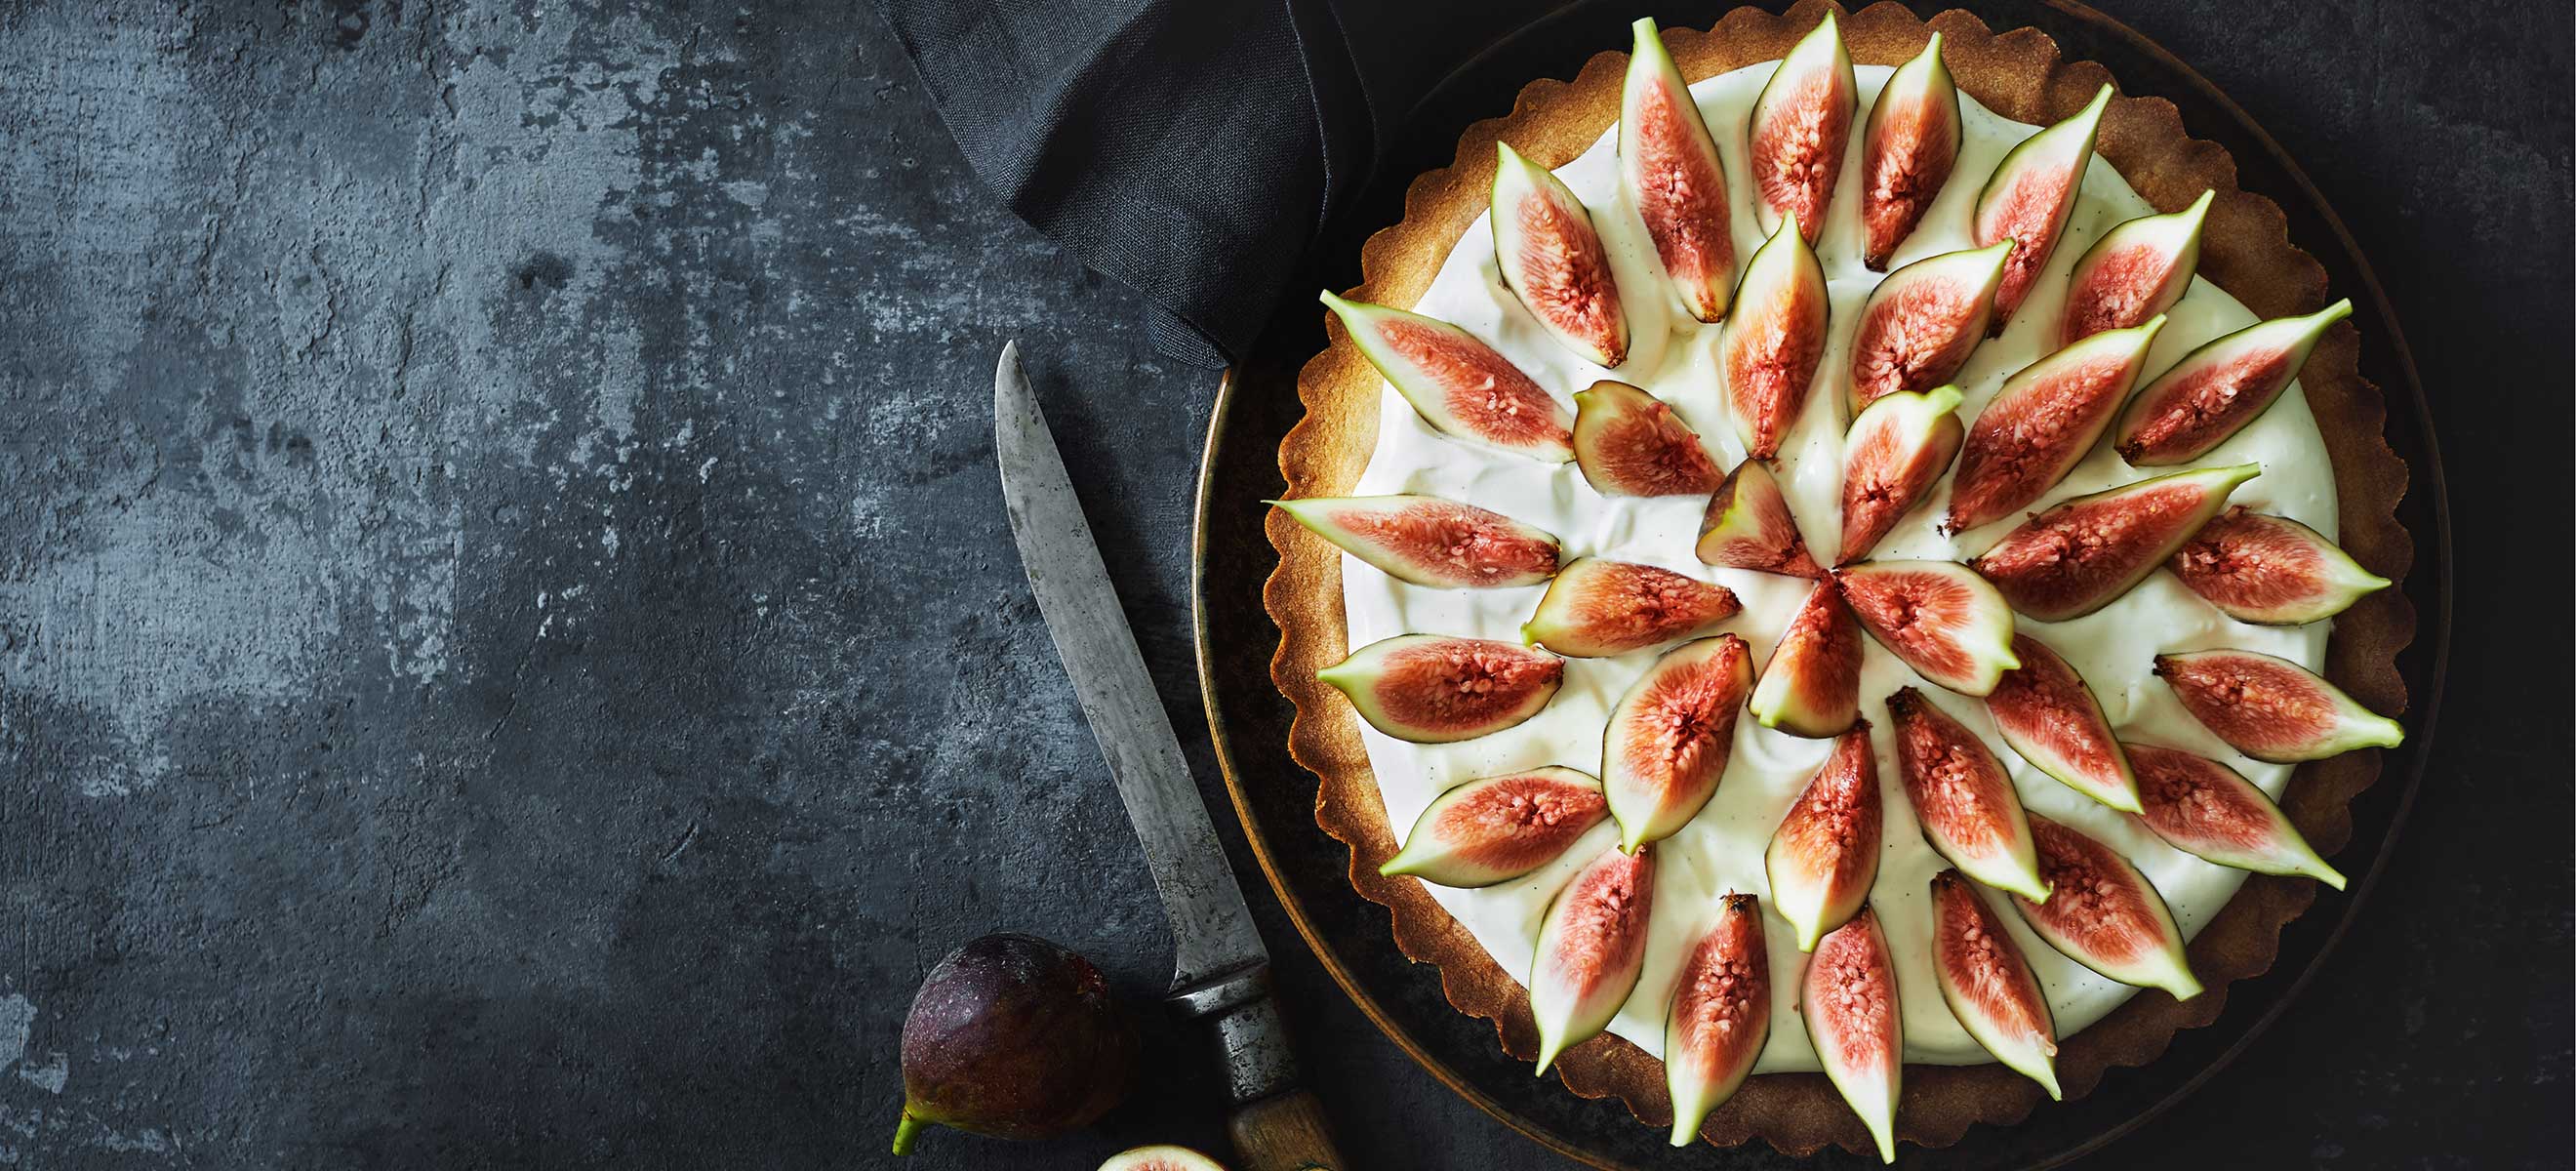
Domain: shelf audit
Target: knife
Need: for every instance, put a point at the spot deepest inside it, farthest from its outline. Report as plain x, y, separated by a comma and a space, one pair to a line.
1221, 971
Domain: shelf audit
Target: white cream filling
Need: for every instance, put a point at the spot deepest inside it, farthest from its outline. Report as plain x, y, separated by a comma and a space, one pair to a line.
1674, 357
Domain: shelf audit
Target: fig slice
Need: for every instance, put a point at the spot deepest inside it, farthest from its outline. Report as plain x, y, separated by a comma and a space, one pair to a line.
1458, 384
2273, 709
1552, 259
1670, 164
1824, 856
1598, 608
2135, 272
1800, 124
1431, 541
2088, 552
1774, 338
1970, 812
2105, 915
1921, 323
1161, 1157
1435, 689
2042, 422
1591, 947
1895, 451
2217, 389
1630, 443
1720, 1016
1850, 1005
2029, 197
1499, 828
2211, 812
2044, 710
1811, 685
1988, 984
2271, 570
1940, 619
1907, 150
1670, 736
1748, 526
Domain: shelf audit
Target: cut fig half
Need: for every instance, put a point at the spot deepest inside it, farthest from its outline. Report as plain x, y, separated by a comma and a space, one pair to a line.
1775, 336
2211, 812
1921, 323
1597, 608
2217, 389
1800, 124
1988, 983
1895, 451
1970, 812
2273, 709
1591, 946
1907, 150
1160, 1157
1630, 443
2135, 272
1670, 164
1720, 1017
1824, 857
2044, 421
1811, 685
2271, 570
1748, 526
1853, 1017
1434, 689
1458, 384
1943, 621
1431, 541
1552, 259
1669, 738
2048, 715
2105, 915
2089, 552
2028, 199
1499, 828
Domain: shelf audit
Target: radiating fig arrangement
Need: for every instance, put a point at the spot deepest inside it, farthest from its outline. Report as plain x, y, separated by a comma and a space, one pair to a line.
1985, 624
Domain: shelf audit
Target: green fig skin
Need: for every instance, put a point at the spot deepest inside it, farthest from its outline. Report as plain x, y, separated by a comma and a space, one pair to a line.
1434, 689
1775, 338
1988, 984
1460, 386
2271, 708
1014, 1037
1849, 1001
1552, 258
2211, 812
1920, 325
1720, 1016
2029, 198
2217, 389
2271, 570
1797, 157
1429, 541
1908, 149
2090, 551
1675, 179
2135, 272
2042, 422
2104, 914
1896, 451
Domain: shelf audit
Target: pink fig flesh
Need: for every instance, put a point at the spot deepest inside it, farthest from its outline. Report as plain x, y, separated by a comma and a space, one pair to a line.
1893, 455
1458, 384
1552, 259
1850, 1005
1429, 541
2219, 388
1800, 124
1500, 828
1674, 178
1748, 526
2089, 552
1907, 151
1943, 621
1964, 798
2103, 914
1921, 323
1160, 1158
1775, 337
1630, 443
1824, 857
2271, 570
1434, 689
1811, 685
1670, 737
1988, 984
2273, 709
1591, 947
1596, 608
1720, 1016
2042, 423
2210, 811
2028, 199
2134, 273
2044, 710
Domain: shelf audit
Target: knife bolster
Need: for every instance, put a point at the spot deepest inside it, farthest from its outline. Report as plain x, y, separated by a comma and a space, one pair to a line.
1258, 1063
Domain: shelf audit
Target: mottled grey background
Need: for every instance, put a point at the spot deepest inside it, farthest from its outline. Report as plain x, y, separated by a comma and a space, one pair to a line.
510, 655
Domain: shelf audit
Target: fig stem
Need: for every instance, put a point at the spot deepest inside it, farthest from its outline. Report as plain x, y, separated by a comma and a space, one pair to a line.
904, 1130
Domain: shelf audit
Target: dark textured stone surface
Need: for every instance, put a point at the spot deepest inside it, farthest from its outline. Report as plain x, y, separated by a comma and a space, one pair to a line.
509, 651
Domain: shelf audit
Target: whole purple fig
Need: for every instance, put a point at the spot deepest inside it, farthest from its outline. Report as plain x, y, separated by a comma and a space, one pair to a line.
1014, 1037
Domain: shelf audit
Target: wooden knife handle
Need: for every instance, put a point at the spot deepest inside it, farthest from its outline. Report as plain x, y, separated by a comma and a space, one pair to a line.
1284, 1132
